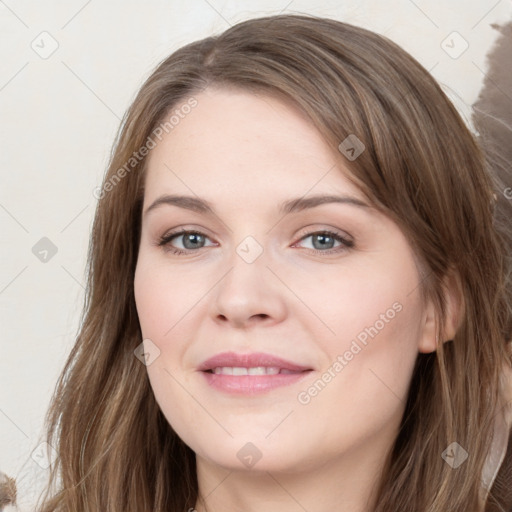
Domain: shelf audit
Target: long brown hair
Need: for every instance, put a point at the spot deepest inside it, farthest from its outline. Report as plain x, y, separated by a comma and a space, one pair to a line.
421, 166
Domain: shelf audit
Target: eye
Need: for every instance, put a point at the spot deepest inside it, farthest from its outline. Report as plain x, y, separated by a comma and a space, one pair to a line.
191, 240
323, 242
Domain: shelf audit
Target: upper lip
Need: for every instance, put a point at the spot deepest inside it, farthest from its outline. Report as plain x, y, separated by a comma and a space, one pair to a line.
253, 360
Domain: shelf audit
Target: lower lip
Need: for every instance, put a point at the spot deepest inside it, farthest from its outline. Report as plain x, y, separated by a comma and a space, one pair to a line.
252, 384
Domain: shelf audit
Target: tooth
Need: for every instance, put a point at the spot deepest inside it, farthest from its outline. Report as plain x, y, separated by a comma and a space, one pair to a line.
260, 370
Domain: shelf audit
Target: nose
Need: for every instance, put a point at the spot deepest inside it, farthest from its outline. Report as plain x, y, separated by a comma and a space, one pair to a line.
249, 294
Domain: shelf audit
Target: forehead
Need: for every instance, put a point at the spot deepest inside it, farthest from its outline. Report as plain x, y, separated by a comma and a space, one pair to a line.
241, 147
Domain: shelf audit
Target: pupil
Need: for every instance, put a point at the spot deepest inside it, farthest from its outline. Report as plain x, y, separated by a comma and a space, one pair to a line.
324, 238
189, 238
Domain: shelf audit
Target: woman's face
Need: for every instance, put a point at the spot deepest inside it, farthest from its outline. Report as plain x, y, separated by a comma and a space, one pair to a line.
262, 276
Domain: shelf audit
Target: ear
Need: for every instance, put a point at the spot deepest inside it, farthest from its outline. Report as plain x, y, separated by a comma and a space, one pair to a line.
454, 311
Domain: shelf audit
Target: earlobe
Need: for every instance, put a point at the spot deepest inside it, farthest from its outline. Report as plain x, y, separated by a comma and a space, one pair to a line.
452, 290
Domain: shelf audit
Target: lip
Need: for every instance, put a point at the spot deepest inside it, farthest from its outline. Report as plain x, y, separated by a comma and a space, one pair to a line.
251, 384
251, 360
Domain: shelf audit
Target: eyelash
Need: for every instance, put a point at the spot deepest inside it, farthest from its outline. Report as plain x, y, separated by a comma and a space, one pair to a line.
166, 239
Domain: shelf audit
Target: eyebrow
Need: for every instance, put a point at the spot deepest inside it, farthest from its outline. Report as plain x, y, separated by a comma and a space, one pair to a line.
293, 205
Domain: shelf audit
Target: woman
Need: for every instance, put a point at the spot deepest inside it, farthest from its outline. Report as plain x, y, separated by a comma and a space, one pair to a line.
339, 339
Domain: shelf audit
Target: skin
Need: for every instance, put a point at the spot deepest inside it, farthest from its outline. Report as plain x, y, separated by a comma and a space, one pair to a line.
246, 154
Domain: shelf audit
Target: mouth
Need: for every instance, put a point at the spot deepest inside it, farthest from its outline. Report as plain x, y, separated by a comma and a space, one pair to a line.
250, 374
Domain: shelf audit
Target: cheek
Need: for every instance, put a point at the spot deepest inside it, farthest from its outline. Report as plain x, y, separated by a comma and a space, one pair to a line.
367, 301
159, 309
165, 306
377, 335
161, 298
148, 300
375, 316
362, 394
